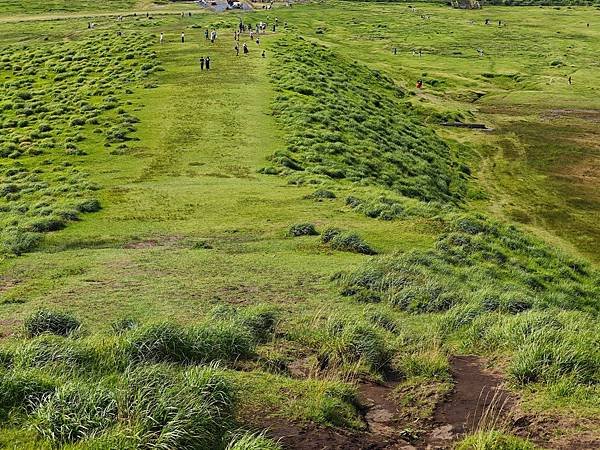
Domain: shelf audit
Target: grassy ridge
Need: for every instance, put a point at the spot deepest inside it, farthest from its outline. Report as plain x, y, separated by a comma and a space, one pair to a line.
347, 122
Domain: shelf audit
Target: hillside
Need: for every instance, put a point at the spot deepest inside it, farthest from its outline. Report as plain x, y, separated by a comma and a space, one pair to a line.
291, 249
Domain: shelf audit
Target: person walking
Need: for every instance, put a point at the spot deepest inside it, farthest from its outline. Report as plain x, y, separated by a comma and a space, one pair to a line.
237, 50
182, 37
202, 63
245, 48
570, 80
207, 62
162, 38
264, 54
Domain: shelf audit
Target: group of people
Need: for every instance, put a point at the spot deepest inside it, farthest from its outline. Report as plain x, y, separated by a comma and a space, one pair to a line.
205, 62
260, 27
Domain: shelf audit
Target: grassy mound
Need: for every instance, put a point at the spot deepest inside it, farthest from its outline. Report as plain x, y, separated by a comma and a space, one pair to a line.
345, 121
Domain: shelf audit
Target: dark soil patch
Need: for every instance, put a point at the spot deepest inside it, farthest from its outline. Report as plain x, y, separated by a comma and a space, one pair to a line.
166, 241
312, 437
477, 399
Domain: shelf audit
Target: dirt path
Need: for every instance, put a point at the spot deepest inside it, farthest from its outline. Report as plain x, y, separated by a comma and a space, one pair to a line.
478, 398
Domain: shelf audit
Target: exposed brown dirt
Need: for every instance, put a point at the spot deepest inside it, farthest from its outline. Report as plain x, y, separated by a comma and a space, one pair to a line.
477, 398
7, 283
155, 242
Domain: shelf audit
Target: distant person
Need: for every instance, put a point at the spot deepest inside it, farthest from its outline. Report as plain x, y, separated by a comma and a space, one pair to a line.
89, 25
257, 41
207, 62
395, 50
182, 37
420, 53
237, 50
245, 48
206, 34
264, 54
213, 36
162, 38
419, 84
273, 28
202, 63
570, 80
487, 21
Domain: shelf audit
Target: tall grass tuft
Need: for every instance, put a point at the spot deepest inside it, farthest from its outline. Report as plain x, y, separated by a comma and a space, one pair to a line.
45, 321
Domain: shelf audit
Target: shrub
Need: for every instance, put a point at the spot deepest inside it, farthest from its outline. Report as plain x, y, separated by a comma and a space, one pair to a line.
45, 321
302, 229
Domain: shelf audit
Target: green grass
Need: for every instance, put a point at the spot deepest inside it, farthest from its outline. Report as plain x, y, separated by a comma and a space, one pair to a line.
168, 236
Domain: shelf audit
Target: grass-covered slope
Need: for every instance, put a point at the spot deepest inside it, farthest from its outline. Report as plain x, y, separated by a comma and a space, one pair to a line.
499, 291
59, 102
345, 121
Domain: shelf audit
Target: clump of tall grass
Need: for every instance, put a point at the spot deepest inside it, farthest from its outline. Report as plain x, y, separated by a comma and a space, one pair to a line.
75, 411
24, 390
251, 441
494, 440
169, 409
346, 343
168, 342
53, 322
347, 241
302, 229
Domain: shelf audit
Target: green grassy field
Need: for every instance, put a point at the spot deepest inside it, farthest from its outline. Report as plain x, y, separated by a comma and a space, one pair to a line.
207, 232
